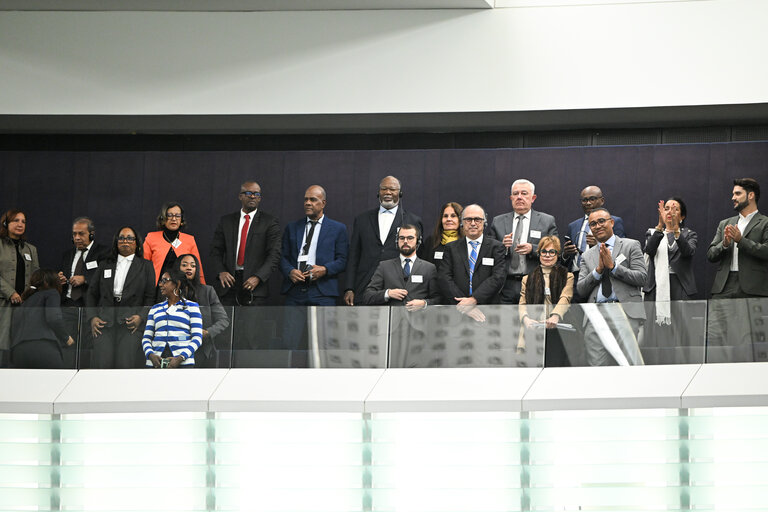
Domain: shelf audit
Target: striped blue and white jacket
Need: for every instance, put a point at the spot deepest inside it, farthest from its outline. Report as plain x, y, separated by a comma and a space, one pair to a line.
179, 326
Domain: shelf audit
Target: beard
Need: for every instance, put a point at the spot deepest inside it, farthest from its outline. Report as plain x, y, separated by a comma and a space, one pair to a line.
388, 204
406, 251
740, 205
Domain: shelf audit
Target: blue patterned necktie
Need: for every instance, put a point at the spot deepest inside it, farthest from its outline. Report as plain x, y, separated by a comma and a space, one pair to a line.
407, 268
472, 261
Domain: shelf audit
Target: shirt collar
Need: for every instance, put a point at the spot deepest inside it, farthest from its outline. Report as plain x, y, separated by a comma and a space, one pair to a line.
611, 241
393, 210
748, 217
319, 221
412, 257
88, 248
478, 240
120, 258
250, 214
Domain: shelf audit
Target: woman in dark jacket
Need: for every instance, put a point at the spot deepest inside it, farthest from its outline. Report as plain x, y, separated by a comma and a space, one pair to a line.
38, 326
447, 230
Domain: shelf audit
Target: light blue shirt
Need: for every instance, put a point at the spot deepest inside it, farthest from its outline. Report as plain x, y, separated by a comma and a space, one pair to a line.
311, 255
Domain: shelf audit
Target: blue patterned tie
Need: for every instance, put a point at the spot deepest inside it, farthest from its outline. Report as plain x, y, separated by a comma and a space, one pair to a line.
407, 268
472, 261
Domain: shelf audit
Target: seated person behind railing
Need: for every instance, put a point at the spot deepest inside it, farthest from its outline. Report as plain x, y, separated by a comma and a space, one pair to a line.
552, 285
174, 329
38, 326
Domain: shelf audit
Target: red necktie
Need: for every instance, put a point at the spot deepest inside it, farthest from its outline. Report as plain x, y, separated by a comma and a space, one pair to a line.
243, 236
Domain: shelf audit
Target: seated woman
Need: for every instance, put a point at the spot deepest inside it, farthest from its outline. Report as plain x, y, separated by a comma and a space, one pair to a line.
446, 230
215, 319
38, 325
174, 329
549, 284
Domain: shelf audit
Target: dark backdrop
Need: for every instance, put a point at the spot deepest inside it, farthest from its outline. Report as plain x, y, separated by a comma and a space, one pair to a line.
128, 187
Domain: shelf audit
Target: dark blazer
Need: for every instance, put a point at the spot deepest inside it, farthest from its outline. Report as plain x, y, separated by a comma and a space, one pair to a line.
453, 275
431, 254
262, 250
332, 251
575, 227
753, 256
39, 318
543, 223
680, 259
138, 292
366, 249
98, 253
389, 274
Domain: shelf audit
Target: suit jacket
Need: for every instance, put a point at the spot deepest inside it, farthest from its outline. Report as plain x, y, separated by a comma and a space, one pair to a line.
389, 274
97, 254
40, 318
680, 259
262, 249
574, 229
543, 223
156, 249
366, 249
753, 256
332, 251
8, 267
453, 275
626, 279
138, 292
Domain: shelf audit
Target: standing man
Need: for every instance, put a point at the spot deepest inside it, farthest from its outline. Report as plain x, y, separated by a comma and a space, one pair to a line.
520, 232
245, 251
405, 280
80, 263
373, 238
740, 248
613, 270
314, 253
474, 266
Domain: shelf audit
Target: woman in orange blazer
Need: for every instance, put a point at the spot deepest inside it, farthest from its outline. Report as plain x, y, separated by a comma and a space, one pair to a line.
162, 247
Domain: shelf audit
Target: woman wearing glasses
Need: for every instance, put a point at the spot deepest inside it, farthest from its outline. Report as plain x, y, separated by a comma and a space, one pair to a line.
164, 246
116, 304
551, 285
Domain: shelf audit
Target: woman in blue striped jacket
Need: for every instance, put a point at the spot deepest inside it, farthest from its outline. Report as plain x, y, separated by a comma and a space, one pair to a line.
175, 326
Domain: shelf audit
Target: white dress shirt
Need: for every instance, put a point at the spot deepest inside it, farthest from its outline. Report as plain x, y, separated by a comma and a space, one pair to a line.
74, 264
469, 247
742, 225
386, 218
311, 255
240, 230
121, 271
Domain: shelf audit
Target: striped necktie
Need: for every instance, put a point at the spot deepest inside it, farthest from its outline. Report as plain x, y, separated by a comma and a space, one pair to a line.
472, 261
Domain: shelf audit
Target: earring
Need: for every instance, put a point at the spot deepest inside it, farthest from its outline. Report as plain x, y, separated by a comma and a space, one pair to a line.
176, 292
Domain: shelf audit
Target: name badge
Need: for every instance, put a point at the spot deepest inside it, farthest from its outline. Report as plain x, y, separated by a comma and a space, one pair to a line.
438, 255
417, 279
176, 243
107, 273
303, 257
27, 257
488, 261
620, 258
90, 265
534, 234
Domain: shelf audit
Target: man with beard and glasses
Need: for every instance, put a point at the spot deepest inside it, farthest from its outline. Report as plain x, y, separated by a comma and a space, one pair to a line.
740, 248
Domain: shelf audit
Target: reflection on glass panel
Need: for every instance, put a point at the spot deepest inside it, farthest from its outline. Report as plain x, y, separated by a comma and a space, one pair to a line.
674, 332
26, 465
311, 336
737, 330
447, 337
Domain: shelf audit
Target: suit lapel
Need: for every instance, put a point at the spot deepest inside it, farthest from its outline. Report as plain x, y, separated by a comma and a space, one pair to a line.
130, 277
374, 218
751, 224
252, 228
398, 270
464, 255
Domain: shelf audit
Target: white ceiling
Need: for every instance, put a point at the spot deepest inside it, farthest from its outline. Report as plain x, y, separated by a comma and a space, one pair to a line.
237, 5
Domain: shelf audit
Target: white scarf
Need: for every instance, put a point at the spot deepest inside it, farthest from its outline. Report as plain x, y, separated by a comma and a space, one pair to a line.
661, 263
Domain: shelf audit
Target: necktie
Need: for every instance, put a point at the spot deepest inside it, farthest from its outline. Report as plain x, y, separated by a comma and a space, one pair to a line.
515, 241
607, 287
472, 261
243, 236
407, 268
307, 244
77, 292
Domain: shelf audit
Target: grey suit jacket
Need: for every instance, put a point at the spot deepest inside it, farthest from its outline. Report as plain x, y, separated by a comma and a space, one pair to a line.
628, 276
680, 258
542, 224
389, 274
753, 256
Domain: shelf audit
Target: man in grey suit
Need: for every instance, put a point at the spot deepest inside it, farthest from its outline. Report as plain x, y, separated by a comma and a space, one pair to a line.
405, 280
612, 271
740, 248
520, 232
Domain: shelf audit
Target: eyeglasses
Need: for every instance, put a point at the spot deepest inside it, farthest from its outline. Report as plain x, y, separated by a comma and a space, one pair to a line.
165, 280
251, 194
406, 238
172, 215
388, 189
548, 252
474, 220
590, 199
598, 222
122, 238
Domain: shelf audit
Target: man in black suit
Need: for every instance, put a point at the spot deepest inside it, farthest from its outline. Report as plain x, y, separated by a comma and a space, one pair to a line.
80, 263
245, 251
373, 238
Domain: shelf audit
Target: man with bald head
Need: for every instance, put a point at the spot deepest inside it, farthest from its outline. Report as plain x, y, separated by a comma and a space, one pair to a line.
373, 238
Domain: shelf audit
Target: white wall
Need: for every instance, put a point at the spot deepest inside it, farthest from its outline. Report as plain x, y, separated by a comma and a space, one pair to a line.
516, 59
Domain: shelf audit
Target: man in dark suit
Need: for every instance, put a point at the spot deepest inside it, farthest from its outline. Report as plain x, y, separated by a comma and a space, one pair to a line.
580, 237
520, 232
612, 271
405, 280
245, 251
314, 253
80, 263
373, 238
474, 266
740, 248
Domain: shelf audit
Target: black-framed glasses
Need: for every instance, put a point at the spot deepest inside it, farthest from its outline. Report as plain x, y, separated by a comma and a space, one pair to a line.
598, 222
406, 238
474, 220
548, 252
164, 280
251, 194
172, 215
122, 238
590, 199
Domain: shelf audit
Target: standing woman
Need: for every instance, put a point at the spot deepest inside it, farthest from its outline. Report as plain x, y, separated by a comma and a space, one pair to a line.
163, 247
215, 319
447, 230
174, 328
38, 325
18, 259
